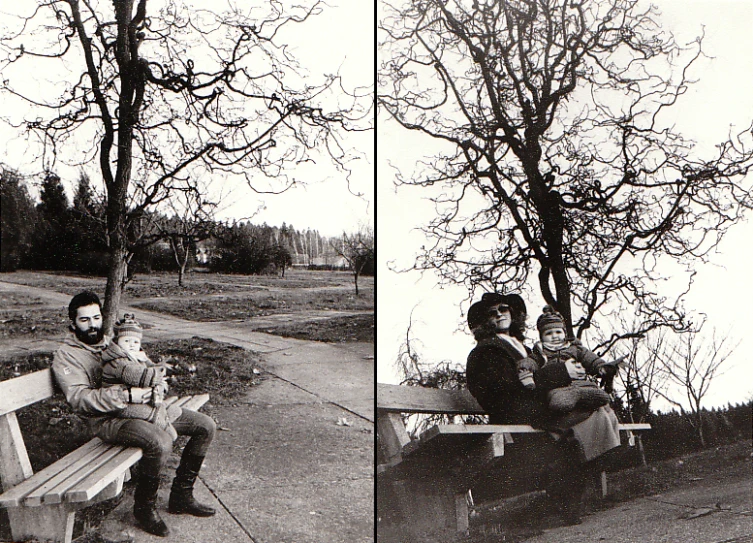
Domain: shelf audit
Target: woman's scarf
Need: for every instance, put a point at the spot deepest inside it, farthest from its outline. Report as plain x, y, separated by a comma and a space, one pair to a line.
514, 342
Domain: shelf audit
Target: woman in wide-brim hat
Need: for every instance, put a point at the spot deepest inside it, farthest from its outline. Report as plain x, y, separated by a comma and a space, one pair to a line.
566, 453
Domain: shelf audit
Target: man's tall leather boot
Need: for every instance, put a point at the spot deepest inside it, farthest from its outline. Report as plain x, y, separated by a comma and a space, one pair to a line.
145, 506
181, 493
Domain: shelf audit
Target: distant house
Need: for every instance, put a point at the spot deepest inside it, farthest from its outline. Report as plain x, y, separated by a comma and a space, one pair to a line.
326, 260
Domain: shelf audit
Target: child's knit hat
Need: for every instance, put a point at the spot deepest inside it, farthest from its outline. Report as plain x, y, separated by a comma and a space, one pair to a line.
549, 319
128, 326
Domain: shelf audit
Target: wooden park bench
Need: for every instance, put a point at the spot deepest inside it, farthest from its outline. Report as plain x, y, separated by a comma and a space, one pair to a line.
423, 483
43, 505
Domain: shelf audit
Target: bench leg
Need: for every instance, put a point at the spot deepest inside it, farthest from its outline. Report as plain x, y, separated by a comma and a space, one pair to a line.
111, 490
52, 522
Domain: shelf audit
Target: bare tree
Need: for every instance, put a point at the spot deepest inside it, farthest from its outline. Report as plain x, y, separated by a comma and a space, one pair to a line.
357, 249
640, 377
159, 93
691, 363
191, 220
551, 159
414, 371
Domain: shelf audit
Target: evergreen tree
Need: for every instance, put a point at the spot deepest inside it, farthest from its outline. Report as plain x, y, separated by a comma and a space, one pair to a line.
16, 220
87, 230
52, 245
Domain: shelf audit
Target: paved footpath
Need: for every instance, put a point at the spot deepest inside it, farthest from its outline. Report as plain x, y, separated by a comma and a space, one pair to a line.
709, 512
283, 468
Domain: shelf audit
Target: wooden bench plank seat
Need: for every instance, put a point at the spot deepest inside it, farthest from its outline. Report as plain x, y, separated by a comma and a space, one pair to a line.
445, 436
42, 505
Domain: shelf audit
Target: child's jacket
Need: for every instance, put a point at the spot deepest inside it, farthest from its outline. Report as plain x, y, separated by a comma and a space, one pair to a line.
121, 368
552, 372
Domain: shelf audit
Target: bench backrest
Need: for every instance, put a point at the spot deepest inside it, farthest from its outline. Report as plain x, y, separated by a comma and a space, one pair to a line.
394, 400
14, 394
25, 390
404, 399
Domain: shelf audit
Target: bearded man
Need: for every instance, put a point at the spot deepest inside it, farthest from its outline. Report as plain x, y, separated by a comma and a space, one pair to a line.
77, 367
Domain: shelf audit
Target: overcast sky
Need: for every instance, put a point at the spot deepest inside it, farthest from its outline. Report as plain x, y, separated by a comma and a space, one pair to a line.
339, 40
721, 97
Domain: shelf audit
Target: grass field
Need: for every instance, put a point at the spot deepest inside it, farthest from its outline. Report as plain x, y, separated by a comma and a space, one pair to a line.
258, 303
335, 330
196, 283
208, 297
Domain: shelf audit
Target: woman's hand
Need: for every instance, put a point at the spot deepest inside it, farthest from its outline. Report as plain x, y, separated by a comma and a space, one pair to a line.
575, 370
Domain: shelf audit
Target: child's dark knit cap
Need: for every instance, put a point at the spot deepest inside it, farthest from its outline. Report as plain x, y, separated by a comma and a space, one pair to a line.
549, 319
128, 326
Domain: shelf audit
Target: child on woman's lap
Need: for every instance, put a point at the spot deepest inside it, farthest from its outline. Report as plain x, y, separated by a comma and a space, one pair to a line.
563, 368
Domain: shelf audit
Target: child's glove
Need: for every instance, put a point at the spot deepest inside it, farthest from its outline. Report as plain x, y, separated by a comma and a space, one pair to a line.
527, 364
526, 379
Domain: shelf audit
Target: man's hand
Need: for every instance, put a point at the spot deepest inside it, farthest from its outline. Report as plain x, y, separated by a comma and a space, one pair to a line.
141, 395
160, 417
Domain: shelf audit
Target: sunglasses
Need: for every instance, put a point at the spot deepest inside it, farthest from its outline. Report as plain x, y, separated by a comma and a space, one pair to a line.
498, 310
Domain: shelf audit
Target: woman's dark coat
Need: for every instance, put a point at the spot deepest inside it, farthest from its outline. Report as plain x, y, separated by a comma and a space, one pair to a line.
492, 376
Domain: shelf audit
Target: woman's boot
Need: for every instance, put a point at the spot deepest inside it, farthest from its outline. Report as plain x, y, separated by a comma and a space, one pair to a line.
145, 506
181, 493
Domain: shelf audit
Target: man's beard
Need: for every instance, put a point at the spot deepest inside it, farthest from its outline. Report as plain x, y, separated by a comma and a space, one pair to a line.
91, 337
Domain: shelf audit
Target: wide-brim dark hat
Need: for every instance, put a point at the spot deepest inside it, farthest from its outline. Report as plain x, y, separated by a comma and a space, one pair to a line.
478, 313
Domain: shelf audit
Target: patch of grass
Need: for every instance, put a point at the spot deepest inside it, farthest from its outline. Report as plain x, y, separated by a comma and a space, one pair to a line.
224, 371
725, 462
260, 304
196, 283
39, 323
357, 328
12, 299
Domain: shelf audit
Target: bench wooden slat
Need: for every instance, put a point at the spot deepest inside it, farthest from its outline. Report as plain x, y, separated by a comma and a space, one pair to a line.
503, 429
25, 390
188, 402
105, 474
57, 493
15, 495
36, 487
403, 399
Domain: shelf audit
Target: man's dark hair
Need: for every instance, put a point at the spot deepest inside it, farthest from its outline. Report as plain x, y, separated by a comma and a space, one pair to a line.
82, 299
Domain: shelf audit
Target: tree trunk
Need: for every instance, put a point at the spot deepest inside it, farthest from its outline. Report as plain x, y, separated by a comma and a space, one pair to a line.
355, 275
641, 450
113, 290
701, 437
